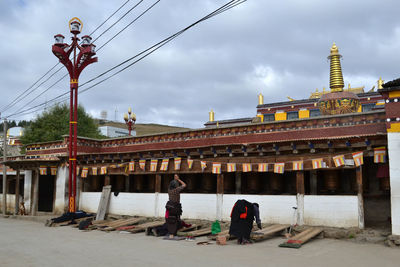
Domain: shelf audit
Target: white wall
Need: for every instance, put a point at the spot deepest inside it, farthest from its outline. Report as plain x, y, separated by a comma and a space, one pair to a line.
10, 198
273, 209
394, 156
336, 211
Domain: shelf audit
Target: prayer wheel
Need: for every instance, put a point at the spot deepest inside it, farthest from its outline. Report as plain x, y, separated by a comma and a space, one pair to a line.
119, 183
229, 183
331, 180
165, 180
276, 182
252, 183
208, 183
190, 181
138, 183
384, 183
94, 183
151, 183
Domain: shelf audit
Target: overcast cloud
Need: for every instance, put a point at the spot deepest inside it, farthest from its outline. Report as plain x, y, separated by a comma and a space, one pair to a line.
278, 48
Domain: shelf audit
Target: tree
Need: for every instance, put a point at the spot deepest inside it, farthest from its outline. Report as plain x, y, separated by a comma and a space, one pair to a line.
51, 125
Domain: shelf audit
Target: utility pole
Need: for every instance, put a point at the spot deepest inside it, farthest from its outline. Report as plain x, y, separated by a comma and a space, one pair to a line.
4, 167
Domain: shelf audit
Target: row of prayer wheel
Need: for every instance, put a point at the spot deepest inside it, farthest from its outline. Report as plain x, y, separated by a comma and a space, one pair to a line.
251, 183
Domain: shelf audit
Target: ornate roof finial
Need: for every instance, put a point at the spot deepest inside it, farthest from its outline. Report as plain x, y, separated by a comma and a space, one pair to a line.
211, 115
380, 82
260, 99
336, 78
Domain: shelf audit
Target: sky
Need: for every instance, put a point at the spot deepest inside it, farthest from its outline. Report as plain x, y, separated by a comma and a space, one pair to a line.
277, 48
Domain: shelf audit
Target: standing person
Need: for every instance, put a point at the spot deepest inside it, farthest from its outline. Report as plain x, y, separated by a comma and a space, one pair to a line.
173, 206
242, 217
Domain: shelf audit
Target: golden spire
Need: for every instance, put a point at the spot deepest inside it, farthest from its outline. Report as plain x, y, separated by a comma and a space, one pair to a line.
260, 99
211, 115
336, 78
380, 82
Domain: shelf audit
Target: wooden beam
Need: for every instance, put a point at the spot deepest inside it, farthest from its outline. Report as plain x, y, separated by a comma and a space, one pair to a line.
300, 182
220, 184
313, 182
107, 180
238, 182
158, 183
359, 179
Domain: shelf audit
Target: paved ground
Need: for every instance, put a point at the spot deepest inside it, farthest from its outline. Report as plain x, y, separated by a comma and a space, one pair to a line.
27, 243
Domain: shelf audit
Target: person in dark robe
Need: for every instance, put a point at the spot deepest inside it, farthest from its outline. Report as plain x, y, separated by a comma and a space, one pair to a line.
173, 206
242, 217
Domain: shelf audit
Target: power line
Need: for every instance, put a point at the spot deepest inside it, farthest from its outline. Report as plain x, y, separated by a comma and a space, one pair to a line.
134, 20
21, 96
140, 56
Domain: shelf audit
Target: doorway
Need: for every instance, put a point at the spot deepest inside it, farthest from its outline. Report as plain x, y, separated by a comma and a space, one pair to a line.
46, 193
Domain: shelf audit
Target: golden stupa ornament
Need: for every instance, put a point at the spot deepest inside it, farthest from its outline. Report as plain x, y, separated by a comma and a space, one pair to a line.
336, 78
337, 101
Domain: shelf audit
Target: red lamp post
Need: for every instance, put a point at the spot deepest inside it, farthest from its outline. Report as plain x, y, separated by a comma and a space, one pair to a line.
85, 57
130, 120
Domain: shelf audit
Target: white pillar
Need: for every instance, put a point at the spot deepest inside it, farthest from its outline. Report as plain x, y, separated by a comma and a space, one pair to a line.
394, 172
156, 200
220, 198
300, 209
27, 190
61, 197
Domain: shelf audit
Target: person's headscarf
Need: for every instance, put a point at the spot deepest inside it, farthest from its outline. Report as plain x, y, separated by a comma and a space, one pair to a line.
173, 184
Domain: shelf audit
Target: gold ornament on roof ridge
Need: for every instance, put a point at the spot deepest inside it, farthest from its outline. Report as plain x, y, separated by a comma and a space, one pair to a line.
336, 77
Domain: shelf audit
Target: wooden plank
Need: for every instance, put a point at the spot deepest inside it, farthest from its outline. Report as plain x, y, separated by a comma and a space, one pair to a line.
104, 200
144, 226
298, 240
201, 232
303, 239
268, 231
123, 223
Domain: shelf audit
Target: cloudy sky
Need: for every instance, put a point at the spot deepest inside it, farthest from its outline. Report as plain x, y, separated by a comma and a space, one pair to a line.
278, 48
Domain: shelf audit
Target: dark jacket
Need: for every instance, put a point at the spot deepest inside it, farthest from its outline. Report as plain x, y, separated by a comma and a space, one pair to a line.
242, 217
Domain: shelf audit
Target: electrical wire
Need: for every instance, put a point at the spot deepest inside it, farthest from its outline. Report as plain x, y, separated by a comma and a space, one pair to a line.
139, 16
140, 56
22, 95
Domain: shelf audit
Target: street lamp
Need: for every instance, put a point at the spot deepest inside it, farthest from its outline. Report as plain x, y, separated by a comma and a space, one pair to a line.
85, 57
130, 120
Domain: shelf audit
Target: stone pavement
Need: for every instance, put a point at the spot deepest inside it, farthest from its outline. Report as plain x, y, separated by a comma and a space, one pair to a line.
27, 243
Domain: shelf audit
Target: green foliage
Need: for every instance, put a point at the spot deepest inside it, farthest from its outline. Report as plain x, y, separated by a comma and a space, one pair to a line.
51, 125
9, 125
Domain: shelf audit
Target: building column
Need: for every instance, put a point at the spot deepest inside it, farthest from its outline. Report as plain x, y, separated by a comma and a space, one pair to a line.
359, 179
127, 183
17, 177
300, 197
391, 93
157, 188
238, 182
107, 180
220, 195
35, 197
313, 182
394, 172
27, 190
